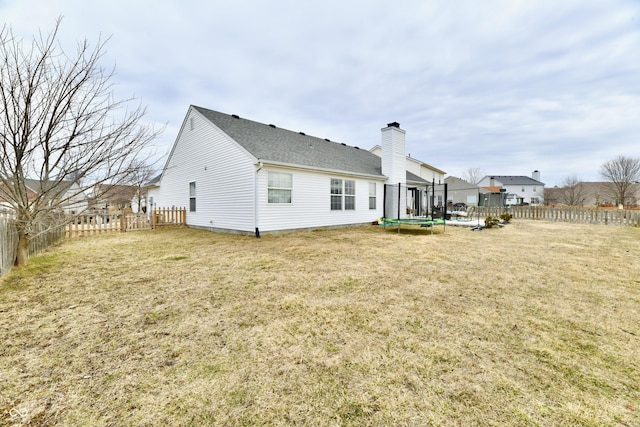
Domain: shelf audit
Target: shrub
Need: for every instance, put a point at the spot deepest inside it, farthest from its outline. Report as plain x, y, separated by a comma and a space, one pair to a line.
506, 217
490, 222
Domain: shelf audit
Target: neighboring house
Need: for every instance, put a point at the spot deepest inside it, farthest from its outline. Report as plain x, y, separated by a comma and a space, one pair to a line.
150, 188
72, 198
513, 190
5, 204
115, 197
461, 191
238, 175
69, 194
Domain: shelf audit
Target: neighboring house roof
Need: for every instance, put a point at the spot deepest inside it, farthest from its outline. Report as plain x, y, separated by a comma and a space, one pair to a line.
154, 182
116, 192
269, 143
515, 180
37, 185
493, 189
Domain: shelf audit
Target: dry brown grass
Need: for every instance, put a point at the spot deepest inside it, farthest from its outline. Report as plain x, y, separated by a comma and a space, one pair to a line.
532, 324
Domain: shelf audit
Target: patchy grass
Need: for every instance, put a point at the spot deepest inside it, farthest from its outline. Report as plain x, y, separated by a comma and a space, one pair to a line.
532, 324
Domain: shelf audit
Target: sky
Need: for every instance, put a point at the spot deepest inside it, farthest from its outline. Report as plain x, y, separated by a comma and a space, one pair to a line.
506, 86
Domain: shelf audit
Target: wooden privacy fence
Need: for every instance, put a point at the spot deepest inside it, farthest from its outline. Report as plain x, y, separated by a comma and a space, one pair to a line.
103, 222
8, 244
564, 214
44, 236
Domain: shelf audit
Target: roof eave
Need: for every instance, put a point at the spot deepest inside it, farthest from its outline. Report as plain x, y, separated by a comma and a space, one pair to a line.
317, 169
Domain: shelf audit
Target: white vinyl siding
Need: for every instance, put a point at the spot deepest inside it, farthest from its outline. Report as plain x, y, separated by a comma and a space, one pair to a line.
311, 203
280, 187
224, 173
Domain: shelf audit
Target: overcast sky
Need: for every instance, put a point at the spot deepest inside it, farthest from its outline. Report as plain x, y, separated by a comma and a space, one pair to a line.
508, 86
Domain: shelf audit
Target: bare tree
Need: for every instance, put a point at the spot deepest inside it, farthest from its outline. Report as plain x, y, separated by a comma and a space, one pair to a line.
143, 174
573, 191
61, 128
551, 196
473, 175
623, 173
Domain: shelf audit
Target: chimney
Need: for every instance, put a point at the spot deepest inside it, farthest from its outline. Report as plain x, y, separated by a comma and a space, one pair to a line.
394, 160
536, 175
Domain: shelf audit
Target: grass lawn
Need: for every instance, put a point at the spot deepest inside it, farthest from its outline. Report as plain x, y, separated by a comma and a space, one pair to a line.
532, 324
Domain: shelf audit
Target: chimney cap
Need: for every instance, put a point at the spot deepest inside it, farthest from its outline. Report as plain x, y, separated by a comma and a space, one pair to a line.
393, 125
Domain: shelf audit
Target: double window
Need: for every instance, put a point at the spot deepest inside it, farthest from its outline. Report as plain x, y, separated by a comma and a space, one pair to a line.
343, 194
279, 187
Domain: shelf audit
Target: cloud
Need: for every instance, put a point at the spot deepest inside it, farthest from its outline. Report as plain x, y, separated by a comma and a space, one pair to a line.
507, 86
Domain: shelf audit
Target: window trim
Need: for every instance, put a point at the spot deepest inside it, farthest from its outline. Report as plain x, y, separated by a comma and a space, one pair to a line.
373, 197
345, 193
289, 189
336, 194
192, 196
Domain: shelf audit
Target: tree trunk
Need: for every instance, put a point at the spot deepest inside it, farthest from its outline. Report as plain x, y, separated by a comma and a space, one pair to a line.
22, 252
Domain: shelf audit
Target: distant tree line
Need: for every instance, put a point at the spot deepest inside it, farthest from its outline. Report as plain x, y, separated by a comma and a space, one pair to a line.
622, 184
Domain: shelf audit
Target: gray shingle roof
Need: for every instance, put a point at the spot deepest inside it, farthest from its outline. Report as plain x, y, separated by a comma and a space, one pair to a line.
516, 180
415, 179
268, 143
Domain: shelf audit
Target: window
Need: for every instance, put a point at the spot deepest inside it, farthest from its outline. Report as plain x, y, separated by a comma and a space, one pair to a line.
343, 194
350, 195
336, 194
192, 196
279, 187
372, 195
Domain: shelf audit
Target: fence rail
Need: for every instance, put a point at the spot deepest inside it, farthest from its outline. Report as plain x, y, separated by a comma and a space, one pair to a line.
169, 216
576, 214
97, 222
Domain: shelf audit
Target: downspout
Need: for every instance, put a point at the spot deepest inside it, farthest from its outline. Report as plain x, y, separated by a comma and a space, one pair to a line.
255, 201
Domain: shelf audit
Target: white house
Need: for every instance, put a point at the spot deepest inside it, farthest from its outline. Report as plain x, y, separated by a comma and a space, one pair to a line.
237, 175
516, 189
461, 191
67, 195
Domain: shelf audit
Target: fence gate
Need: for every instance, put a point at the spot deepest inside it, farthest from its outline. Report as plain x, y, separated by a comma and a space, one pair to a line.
136, 222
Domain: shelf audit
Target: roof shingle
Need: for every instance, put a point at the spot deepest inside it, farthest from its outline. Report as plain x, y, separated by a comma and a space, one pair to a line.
270, 143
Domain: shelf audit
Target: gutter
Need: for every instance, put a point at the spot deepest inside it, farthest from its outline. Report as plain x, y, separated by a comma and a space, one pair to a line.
255, 199
331, 171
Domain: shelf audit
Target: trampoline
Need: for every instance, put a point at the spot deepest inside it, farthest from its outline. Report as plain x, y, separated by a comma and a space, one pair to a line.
422, 222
